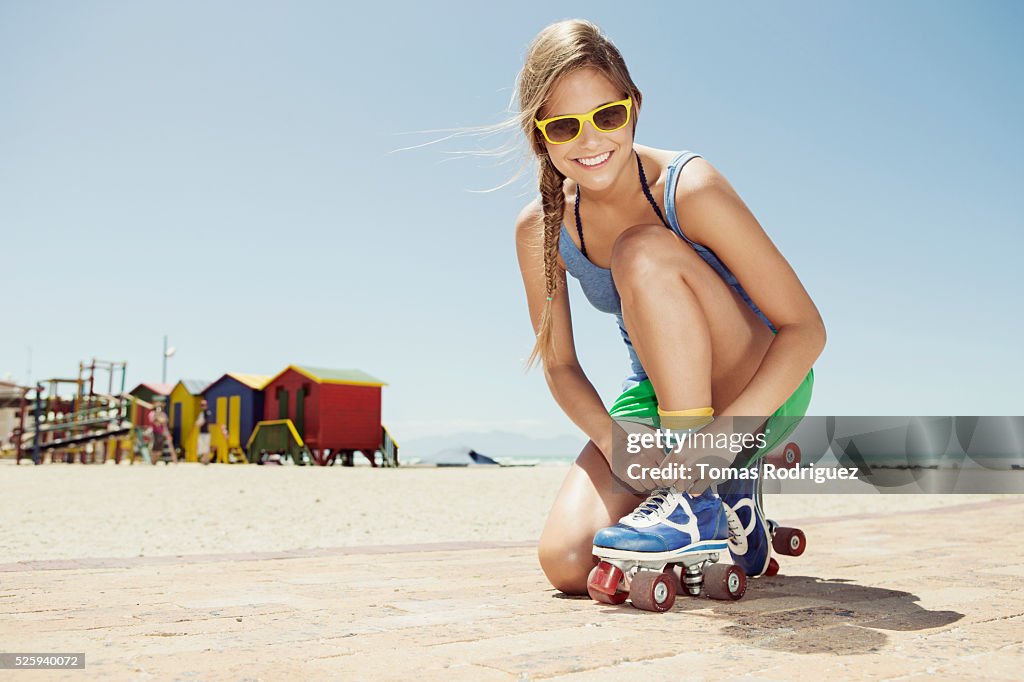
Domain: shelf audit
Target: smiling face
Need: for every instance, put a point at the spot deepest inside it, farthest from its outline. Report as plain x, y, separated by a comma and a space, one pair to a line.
595, 159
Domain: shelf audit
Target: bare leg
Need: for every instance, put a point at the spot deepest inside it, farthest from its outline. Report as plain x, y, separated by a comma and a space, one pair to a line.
585, 503
700, 345
697, 339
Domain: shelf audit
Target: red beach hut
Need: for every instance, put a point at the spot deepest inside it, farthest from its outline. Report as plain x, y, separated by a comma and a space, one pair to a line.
336, 412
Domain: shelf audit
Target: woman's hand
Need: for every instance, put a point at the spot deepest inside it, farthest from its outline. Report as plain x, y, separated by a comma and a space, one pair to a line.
633, 453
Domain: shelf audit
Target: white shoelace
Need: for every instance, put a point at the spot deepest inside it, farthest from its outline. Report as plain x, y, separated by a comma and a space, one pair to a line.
735, 526
658, 504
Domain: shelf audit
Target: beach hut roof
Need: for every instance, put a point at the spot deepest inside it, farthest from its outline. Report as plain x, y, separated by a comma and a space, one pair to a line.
159, 389
323, 375
254, 381
257, 381
194, 386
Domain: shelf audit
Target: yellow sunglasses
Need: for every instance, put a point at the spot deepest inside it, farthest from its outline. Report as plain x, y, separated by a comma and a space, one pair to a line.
607, 118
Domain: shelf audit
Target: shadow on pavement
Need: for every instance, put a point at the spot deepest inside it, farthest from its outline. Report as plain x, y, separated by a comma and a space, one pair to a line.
834, 616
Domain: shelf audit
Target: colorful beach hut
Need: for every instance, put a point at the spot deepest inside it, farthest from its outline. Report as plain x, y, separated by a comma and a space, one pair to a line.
335, 412
148, 393
184, 407
237, 401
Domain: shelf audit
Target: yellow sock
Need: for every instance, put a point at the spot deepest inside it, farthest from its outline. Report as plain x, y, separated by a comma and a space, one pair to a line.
684, 420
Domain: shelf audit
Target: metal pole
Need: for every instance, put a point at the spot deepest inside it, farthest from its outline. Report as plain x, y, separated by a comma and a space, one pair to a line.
36, 452
21, 424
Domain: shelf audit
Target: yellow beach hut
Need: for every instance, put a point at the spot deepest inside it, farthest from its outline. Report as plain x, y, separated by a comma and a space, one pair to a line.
184, 408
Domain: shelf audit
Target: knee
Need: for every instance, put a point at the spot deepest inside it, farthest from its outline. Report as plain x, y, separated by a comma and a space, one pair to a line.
640, 253
644, 253
566, 565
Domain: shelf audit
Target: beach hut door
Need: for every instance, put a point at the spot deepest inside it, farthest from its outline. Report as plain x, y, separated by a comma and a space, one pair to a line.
282, 403
176, 432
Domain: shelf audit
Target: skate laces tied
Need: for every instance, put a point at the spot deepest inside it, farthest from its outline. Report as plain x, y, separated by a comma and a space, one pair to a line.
658, 503
736, 529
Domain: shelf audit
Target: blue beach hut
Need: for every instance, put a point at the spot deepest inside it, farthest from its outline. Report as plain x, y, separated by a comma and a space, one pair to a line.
237, 401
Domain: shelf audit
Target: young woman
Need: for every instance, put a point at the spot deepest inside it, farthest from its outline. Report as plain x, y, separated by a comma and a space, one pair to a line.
714, 319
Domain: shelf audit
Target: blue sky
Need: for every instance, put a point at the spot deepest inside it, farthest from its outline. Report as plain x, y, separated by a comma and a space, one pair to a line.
220, 172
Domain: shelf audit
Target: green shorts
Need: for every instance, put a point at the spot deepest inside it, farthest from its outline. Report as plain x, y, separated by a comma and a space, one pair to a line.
641, 404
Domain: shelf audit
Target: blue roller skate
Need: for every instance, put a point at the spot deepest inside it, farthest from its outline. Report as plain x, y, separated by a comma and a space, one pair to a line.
637, 555
750, 542
752, 537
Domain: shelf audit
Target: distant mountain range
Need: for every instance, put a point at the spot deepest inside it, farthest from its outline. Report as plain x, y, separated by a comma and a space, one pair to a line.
496, 444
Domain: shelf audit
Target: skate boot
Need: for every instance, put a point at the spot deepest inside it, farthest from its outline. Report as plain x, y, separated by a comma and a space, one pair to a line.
750, 542
752, 537
669, 528
666, 525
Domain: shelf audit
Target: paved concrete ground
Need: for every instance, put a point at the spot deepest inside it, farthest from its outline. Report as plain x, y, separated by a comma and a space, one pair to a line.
932, 594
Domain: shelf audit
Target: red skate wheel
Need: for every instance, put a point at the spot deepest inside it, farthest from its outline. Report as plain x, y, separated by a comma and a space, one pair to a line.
791, 455
604, 578
789, 541
603, 598
653, 591
725, 581
773, 568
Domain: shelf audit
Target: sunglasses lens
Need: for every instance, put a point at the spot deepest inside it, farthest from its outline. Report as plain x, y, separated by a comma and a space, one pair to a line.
612, 118
563, 130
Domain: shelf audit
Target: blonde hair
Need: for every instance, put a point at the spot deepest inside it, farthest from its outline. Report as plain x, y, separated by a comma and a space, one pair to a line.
561, 48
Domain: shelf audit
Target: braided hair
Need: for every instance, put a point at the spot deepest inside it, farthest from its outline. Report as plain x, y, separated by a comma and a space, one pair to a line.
560, 49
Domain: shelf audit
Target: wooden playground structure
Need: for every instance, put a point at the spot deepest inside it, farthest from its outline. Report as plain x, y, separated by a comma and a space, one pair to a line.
75, 419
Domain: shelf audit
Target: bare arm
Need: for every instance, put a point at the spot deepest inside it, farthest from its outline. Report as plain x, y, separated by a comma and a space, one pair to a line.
712, 214
570, 387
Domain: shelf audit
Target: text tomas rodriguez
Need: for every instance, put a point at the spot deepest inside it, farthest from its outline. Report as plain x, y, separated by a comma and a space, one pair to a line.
677, 472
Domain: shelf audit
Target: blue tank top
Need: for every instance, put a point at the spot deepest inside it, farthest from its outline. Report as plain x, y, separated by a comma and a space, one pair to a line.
599, 288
